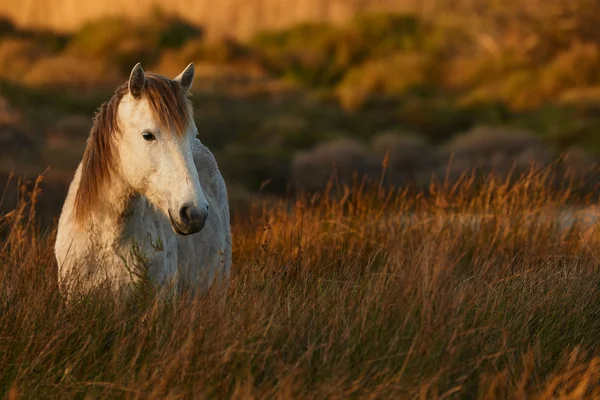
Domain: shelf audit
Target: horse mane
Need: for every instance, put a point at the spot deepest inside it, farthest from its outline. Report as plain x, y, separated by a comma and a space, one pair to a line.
168, 103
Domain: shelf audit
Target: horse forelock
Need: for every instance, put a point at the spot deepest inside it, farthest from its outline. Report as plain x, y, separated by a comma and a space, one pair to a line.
168, 103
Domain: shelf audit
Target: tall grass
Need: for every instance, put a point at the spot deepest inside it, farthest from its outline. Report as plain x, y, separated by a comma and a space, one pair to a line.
472, 291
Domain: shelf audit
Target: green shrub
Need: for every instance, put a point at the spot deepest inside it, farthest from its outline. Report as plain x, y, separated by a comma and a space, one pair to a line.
114, 40
125, 42
306, 53
217, 51
378, 35
474, 70
321, 55
578, 66
524, 81
174, 32
391, 75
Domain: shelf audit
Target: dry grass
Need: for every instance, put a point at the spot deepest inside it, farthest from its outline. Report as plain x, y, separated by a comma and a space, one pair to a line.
378, 294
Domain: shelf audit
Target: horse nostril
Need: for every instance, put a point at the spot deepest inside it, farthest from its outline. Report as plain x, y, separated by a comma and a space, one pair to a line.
191, 219
187, 215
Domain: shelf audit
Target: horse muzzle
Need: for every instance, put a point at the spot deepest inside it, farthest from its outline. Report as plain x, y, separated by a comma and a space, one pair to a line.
191, 220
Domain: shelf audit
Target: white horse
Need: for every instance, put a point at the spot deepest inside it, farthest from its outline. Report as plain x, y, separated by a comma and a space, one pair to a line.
148, 197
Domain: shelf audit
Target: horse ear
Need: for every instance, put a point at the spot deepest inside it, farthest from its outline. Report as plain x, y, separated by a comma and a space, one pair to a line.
186, 77
137, 80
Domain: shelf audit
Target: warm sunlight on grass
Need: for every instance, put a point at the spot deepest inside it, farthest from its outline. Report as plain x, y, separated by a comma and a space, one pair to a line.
481, 290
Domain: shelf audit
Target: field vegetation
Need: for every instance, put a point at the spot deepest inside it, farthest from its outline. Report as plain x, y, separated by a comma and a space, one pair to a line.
413, 196
472, 291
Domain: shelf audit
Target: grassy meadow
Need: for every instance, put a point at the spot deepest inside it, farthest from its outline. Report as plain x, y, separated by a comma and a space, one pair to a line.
414, 208
470, 292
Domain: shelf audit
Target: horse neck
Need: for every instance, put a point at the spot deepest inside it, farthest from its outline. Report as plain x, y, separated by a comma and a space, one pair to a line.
114, 205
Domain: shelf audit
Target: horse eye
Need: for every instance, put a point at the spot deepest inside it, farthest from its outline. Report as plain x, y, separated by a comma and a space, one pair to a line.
148, 136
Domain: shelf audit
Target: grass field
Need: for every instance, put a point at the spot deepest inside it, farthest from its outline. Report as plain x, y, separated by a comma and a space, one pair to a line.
473, 286
366, 294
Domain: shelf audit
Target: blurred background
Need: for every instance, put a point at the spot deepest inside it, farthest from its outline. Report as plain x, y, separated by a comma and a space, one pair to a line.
291, 92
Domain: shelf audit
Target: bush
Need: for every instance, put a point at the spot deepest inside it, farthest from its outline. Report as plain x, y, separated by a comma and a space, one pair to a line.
519, 89
523, 81
495, 149
338, 161
410, 157
125, 42
388, 76
174, 31
478, 69
577, 66
378, 35
114, 40
309, 54
484, 141
218, 51
321, 55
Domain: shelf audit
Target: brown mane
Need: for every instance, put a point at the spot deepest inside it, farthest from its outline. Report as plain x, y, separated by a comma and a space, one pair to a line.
170, 106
